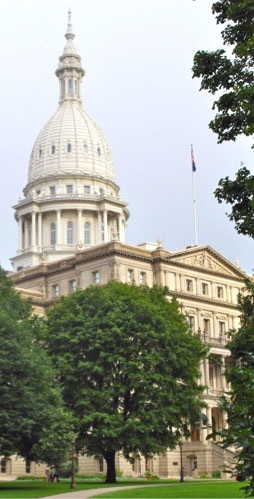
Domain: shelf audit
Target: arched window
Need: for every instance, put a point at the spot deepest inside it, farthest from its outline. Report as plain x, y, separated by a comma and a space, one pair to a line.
53, 149
68, 147
99, 151
53, 234
85, 149
87, 233
69, 233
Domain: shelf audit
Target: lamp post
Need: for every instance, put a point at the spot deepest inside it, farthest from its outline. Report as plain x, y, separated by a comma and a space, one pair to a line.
181, 460
73, 484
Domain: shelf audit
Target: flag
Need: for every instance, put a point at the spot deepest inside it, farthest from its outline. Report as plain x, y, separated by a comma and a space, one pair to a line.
193, 164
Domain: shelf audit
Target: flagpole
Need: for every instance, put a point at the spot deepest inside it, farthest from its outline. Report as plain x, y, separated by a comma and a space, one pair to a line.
194, 196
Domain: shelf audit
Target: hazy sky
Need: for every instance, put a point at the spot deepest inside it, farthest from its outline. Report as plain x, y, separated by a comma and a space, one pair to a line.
138, 56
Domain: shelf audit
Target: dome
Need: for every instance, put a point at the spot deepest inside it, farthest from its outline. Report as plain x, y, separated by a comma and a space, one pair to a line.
70, 143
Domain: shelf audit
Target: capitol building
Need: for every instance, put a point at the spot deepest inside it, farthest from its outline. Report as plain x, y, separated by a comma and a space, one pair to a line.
71, 223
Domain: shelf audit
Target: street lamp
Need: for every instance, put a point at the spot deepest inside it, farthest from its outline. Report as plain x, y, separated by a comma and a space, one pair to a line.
73, 484
181, 460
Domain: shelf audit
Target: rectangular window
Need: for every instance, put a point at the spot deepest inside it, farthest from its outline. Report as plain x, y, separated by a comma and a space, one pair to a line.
69, 233
86, 189
204, 288
3, 465
219, 292
55, 290
87, 233
222, 328
52, 190
72, 286
130, 275
69, 189
142, 278
28, 466
189, 285
100, 462
191, 320
206, 326
96, 277
102, 232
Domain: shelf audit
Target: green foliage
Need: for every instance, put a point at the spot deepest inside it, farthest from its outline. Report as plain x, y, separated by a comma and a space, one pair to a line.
128, 366
216, 474
229, 73
240, 194
239, 403
32, 419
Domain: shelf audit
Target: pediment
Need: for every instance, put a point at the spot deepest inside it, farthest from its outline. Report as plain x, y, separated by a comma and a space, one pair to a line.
207, 259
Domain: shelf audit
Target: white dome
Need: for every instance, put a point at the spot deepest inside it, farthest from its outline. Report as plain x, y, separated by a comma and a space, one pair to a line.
70, 143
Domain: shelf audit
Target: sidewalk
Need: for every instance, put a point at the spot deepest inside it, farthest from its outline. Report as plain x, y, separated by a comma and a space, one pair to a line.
84, 494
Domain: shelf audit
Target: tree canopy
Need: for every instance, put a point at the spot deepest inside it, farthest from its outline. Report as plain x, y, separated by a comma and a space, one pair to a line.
129, 369
239, 403
33, 421
228, 73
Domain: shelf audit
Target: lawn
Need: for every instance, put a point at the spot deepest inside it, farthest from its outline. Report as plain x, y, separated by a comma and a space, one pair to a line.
202, 489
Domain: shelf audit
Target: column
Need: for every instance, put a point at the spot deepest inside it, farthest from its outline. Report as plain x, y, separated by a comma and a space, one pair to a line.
21, 242
39, 230
33, 241
80, 235
58, 227
178, 282
105, 223
26, 233
120, 227
206, 367
98, 228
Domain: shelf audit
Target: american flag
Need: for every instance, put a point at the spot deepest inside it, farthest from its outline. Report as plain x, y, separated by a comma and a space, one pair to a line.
193, 164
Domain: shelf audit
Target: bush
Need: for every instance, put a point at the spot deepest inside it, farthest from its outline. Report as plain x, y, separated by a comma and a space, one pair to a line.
66, 469
216, 474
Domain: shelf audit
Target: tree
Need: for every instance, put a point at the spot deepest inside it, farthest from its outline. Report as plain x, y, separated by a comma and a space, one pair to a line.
239, 403
230, 74
33, 420
240, 194
129, 369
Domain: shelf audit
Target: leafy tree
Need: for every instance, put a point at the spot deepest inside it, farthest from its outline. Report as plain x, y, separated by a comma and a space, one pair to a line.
33, 422
240, 194
129, 369
229, 73
239, 403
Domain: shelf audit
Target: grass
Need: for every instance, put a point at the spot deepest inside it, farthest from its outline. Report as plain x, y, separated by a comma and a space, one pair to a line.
191, 490
204, 489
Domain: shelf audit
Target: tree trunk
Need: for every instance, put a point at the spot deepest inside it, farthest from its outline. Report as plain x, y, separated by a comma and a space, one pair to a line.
111, 467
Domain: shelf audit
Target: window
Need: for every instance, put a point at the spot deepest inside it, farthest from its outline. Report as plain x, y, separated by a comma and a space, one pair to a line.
100, 463
99, 151
55, 290
219, 292
96, 277
191, 320
3, 465
142, 278
189, 285
40, 152
130, 275
28, 466
87, 233
52, 190
53, 234
69, 233
72, 286
85, 149
69, 189
204, 288
206, 326
222, 328
86, 189
53, 149
69, 147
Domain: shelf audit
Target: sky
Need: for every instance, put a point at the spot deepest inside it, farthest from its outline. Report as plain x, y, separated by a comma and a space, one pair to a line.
139, 89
